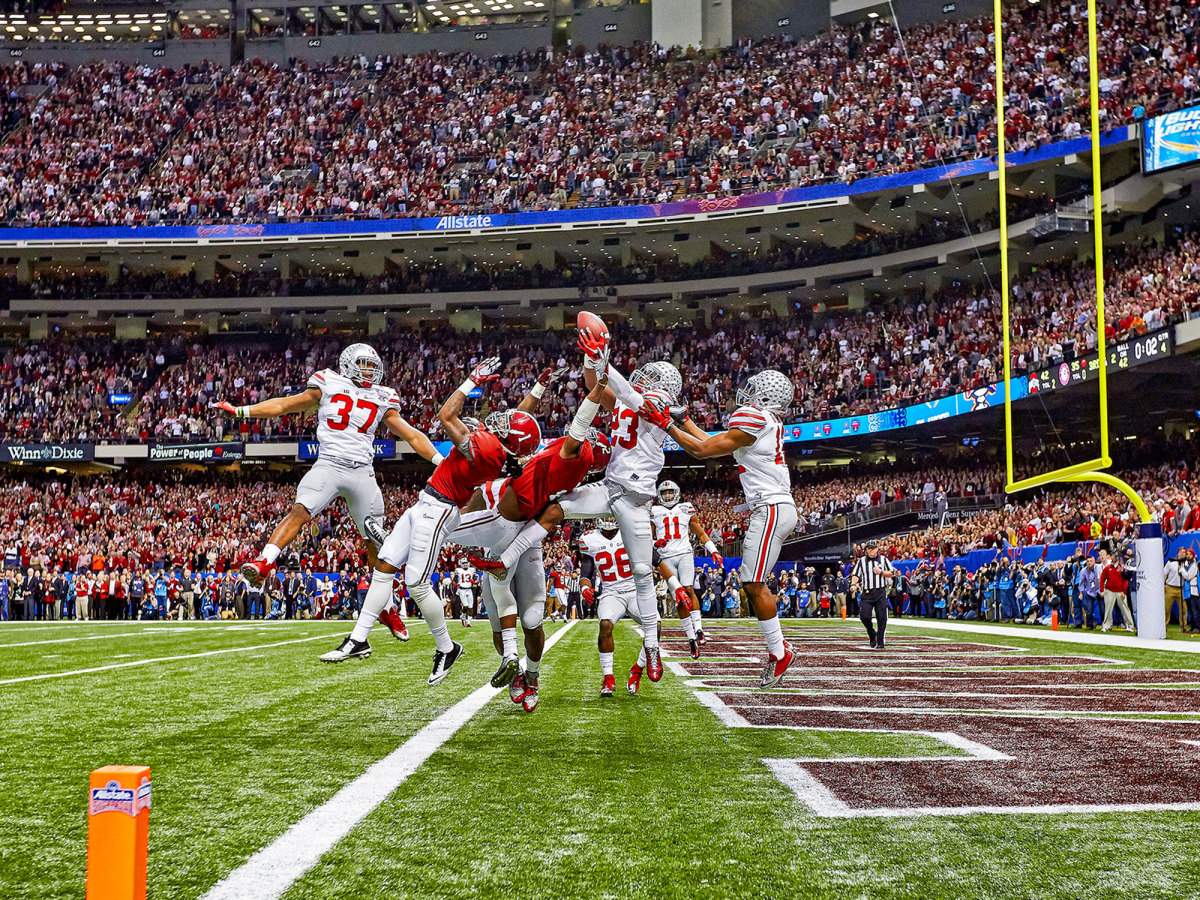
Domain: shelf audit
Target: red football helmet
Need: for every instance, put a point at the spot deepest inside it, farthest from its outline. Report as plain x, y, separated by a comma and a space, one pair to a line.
601, 450
518, 431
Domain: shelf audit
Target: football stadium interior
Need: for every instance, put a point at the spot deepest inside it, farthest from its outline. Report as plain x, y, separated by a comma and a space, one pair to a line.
703, 387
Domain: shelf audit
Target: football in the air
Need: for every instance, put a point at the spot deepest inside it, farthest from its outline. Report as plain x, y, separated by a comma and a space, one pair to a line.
587, 321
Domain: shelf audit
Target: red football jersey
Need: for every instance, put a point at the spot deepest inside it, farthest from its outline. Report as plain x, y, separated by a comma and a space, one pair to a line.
547, 475
456, 476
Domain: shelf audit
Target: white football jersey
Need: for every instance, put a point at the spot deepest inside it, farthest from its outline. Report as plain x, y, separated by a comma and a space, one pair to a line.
614, 571
761, 466
349, 416
637, 451
464, 578
671, 524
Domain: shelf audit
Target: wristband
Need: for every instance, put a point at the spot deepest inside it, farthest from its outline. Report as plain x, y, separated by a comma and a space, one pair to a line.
243, 412
437, 458
583, 419
539, 391
709, 546
467, 386
673, 585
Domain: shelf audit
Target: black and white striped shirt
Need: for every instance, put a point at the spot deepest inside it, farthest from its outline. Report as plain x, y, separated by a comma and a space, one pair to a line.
572, 582
868, 578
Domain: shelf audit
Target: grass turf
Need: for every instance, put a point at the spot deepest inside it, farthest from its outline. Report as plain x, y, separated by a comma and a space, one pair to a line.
630, 797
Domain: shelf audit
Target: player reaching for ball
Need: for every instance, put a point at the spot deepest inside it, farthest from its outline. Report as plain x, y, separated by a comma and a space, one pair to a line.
675, 522
755, 440
416, 541
639, 407
350, 404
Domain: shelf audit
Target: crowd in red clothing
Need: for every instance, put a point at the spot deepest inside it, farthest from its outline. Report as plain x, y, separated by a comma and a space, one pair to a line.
453, 133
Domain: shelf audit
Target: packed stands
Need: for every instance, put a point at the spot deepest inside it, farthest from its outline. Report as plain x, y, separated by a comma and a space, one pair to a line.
449, 134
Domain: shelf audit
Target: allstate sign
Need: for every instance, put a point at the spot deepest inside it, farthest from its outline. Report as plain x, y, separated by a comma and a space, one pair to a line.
46, 453
1171, 140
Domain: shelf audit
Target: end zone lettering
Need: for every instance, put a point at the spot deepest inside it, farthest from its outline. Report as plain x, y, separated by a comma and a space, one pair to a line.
456, 222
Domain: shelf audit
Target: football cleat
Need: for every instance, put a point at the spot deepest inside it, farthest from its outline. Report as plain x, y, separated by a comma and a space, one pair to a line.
510, 667
635, 679
517, 688
653, 663
391, 619
442, 663
701, 637
376, 531
530, 700
347, 649
608, 686
694, 647
493, 567
256, 571
773, 671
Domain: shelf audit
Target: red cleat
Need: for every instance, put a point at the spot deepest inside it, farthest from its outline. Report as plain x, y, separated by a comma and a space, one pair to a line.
635, 679
653, 664
256, 571
608, 686
517, 688
493, 567
391, 618
773, 671
530, 701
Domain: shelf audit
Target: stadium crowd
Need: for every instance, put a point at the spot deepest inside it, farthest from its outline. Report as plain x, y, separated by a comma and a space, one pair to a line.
438, 134
141, 537
903, 351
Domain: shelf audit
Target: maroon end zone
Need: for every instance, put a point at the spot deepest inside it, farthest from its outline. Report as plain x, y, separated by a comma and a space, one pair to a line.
1035, 741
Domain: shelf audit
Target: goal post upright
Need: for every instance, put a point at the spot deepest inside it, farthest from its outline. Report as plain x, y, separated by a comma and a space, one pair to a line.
1151, 614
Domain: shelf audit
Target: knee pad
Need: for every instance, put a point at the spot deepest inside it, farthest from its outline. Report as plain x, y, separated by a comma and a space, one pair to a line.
642, 570
531, 617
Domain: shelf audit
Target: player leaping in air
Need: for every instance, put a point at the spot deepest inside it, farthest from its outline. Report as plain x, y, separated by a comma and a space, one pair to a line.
414, 544
639, 406
755, 440
351, 404
674, 523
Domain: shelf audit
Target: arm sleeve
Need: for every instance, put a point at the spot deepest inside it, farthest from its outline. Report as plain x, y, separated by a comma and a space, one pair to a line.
587, 568
655, 557
622, 389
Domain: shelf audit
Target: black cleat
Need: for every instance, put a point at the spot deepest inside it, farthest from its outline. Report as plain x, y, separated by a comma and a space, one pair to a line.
695, 648
443, 661
348, 649
509, 668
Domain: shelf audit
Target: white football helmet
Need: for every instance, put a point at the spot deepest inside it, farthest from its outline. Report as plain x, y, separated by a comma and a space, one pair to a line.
361, 364
769, 390
658, 375
668, 494
607, 523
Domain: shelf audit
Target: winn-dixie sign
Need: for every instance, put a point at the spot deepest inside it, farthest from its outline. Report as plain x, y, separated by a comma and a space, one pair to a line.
46, 453
227, 451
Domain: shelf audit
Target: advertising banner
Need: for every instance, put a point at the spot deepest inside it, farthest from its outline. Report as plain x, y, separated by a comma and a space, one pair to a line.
46, 453
223, 452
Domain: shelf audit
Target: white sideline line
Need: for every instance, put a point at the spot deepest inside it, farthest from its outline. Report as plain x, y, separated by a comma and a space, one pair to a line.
272, 870
1067, 637
156, 659
93, 637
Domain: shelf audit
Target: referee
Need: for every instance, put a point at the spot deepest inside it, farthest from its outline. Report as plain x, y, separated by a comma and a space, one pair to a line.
874, 573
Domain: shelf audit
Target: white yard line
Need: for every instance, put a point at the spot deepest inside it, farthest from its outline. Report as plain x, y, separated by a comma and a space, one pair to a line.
157, 659
1066, 637
272, 870
94, 637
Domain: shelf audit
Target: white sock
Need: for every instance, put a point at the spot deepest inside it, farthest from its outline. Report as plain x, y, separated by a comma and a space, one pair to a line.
271, 553
509, 637
435, 614
688, 628
379, 595
774, 635
647, 602
696, 623
528, 537
642, 657
531, 666
606, 662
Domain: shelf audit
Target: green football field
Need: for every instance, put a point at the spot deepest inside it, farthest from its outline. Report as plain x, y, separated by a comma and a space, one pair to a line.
952, 765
